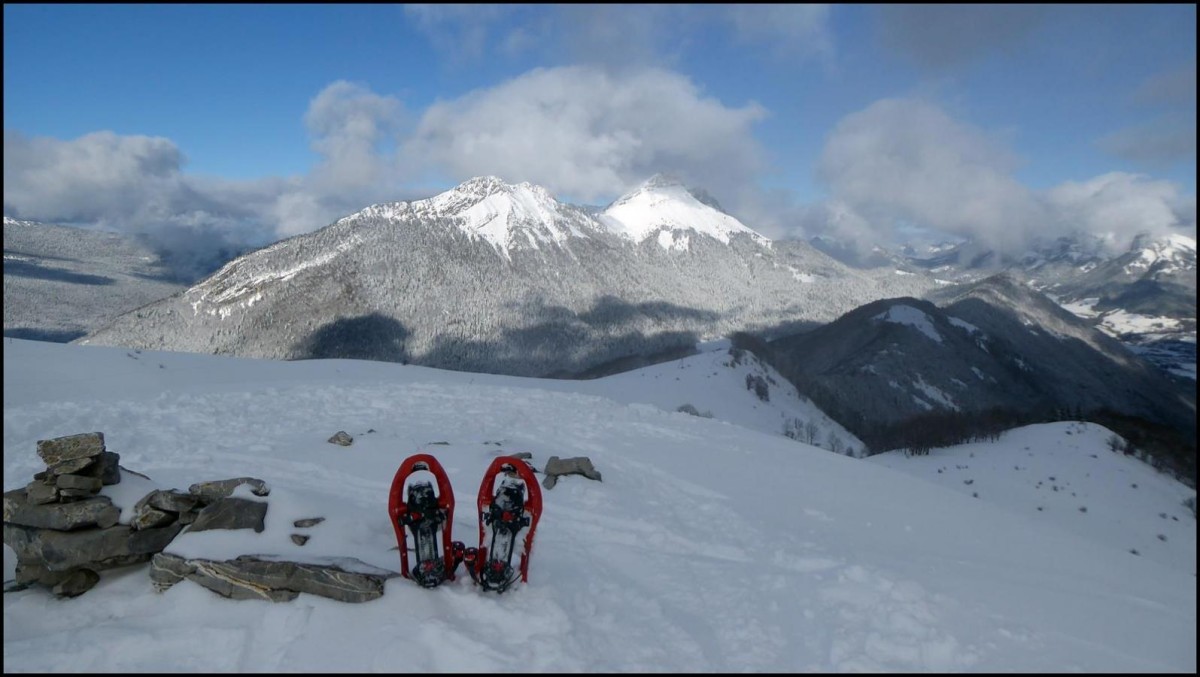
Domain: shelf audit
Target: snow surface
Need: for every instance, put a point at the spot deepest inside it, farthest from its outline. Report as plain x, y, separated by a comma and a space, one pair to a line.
902, 314
664, 204
707, 547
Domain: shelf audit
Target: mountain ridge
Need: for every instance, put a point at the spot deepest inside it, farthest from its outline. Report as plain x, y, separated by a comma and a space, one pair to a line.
519, 284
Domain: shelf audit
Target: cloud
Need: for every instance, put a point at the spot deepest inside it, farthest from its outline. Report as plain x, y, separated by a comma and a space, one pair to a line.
905, 163
619, 37
942, 37
133, 185
462, 32
98, 175
1169, 135
1176, 86
1119, 206
136, 184
1161, 143
787, 30
589, 133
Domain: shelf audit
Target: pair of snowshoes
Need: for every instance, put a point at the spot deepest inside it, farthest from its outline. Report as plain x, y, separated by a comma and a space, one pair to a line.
506, 508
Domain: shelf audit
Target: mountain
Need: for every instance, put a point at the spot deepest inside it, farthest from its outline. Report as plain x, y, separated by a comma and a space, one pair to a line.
62, 282
493, 277
994, 345
1144, 296
708, 547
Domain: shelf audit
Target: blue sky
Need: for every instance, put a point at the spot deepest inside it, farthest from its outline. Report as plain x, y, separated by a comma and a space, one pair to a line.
250, 123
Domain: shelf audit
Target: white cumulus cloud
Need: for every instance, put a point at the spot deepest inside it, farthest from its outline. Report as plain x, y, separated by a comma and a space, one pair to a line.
589, 133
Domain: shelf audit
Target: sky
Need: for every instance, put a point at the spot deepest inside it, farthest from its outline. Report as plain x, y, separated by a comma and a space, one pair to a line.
223, 124
710, 545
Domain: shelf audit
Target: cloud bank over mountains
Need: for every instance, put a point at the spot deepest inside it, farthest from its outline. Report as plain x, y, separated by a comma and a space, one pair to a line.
614, 108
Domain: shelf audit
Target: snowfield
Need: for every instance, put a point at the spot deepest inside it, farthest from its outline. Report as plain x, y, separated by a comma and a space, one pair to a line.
708, 546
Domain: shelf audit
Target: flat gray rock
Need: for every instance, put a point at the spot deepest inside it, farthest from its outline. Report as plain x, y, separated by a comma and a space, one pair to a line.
211, 491
255, 577
96, 511
60, 449
87, 548
231, 513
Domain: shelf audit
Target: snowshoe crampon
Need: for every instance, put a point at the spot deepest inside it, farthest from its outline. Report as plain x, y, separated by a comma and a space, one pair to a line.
429, 517
506, 508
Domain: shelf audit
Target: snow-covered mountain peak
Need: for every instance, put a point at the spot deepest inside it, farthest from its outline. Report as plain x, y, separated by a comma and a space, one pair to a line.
503, 214
665, 207
1162, 254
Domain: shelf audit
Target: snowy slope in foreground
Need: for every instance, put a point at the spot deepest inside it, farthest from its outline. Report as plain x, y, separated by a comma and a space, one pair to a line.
1064, 474
707, 547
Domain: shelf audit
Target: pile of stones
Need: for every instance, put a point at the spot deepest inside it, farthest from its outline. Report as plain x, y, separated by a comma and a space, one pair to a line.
64, 532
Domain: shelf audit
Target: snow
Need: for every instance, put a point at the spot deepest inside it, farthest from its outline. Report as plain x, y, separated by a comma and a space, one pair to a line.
1166, 251
487, 208
902, 314
708, 547
662, 203
494, 214
963, 324
1066, 474
934, 393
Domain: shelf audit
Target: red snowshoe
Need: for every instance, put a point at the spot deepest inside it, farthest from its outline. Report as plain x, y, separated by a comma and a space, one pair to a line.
505, 508
429, 517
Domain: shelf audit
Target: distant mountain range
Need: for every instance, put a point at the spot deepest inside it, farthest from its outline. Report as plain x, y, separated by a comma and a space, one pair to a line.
501, 278
1145, 296
61, 282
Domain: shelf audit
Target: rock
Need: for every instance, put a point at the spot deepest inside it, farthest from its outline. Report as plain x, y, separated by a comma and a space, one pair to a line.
170, 500
76, 583
74, 465
299, 539
150, 518
167, 570
90, 548
60, 449
523, 455
96, 511
580, 465
109, 467
308, 522
231, 513
39, 493
341, 437
70, 495
78, 482
32, 572
13, 586
250, 577
211, 491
